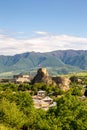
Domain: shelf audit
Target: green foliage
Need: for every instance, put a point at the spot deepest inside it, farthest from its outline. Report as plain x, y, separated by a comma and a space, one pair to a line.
22, 99
17, 111
24, 87
50, 89
11, 115
3, 127
74, 79
58, 91
9, 87
71, 113
76, 89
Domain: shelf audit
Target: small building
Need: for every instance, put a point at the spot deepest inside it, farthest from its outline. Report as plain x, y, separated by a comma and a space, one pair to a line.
21, 78
48, 100
42, 101
41, 93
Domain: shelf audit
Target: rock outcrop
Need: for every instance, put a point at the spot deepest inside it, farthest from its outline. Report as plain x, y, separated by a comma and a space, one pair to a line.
43, 76
62, 82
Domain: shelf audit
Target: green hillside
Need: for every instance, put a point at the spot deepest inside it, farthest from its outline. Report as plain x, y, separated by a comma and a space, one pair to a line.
57, 62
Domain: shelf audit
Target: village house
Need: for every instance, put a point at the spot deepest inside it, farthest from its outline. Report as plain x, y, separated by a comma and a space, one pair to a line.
41, 93
48, 100
43, 101
21, 78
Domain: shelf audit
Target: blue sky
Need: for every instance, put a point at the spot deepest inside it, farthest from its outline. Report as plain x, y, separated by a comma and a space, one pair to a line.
51, 24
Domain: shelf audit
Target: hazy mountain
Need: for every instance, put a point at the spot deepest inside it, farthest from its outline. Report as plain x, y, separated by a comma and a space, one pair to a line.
73, 57
57, 62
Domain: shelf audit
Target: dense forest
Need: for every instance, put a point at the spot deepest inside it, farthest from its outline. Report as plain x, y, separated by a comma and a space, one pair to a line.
17, 111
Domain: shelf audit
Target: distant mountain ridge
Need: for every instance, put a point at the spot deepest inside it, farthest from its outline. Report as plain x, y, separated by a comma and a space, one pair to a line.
73, 57
57, 62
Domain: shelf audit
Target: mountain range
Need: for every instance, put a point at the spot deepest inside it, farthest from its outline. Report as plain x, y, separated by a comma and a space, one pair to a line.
57, 62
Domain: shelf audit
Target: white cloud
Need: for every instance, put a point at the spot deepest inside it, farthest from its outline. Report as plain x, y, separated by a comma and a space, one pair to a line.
43, 43
40, 32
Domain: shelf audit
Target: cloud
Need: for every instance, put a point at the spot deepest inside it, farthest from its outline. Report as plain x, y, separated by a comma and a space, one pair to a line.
11, 33
44, 43
40, 32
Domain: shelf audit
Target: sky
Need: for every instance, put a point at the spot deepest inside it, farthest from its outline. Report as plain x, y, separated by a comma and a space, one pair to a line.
42, 25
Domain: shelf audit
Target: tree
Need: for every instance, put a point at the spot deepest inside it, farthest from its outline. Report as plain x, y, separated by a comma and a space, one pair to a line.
71, 112
3, 127
11, 115
76, 89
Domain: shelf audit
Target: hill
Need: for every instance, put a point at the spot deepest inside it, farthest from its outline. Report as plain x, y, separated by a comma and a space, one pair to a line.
57, 62
73, 57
